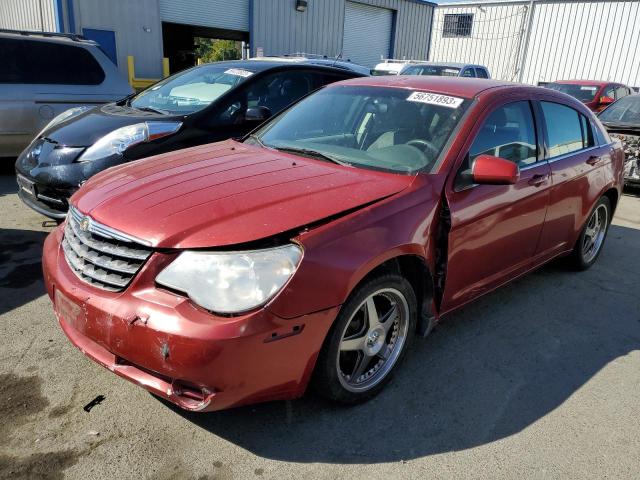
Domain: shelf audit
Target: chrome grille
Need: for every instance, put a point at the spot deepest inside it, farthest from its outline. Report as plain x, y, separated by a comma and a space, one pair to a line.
99, 255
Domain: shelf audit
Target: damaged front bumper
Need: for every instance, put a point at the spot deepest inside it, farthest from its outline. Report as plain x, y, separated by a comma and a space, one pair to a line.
631, 147
162, 342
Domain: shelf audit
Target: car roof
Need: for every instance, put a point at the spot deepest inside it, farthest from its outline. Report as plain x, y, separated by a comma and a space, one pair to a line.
65, 38
458, 86
263, 65
448, 64
599, 83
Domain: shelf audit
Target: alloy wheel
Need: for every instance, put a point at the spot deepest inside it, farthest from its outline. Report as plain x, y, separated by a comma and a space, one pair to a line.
372, 340
594, 233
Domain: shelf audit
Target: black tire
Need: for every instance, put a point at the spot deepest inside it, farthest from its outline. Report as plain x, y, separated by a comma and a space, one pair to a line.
328, 381
579, 259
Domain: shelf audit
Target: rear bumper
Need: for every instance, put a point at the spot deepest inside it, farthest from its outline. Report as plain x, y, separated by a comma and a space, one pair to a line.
162, 342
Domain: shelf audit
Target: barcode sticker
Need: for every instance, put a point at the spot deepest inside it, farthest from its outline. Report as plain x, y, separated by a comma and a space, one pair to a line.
238, 72
435, 99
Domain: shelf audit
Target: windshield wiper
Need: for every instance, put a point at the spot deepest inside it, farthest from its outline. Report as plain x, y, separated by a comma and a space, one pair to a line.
151, 109
314, 154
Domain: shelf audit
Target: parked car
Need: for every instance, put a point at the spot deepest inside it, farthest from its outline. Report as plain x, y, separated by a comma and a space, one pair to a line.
390, 67
44, 74
203, 104
595, 95
320, 245
444, 69
344, 64
622, 121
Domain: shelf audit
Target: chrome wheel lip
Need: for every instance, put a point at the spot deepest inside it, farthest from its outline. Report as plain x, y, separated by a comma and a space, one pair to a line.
397, 340
595, 232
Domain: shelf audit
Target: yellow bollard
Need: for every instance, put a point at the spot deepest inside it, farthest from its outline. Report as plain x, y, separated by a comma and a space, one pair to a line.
165, 67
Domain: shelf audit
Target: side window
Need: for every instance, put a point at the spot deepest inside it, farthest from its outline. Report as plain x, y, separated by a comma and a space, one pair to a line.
610, 91
508, 132
481, 73
468, 72
10, 59
567, 129
621, 92
274, 91
281, 89
54, 63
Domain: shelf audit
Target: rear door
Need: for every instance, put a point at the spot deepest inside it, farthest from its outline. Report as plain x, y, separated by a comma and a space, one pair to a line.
495, 228
577, 174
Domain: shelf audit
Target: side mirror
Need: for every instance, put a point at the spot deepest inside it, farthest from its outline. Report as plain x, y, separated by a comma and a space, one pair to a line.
606, 100
490, 170
257, 114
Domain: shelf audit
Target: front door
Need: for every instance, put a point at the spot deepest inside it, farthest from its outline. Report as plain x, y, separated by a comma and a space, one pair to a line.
495, 228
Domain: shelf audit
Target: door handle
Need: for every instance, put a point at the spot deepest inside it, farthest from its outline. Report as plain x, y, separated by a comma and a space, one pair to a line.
538, 179
593, 160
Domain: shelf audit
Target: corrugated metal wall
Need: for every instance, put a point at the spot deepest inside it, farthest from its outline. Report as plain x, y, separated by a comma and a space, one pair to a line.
320, 29
588, 39
137, 29
360, 44
39, 15
225, 14
496, 35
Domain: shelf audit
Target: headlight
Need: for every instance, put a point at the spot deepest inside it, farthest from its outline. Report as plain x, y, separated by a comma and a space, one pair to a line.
232, 282
66, 115
119, 140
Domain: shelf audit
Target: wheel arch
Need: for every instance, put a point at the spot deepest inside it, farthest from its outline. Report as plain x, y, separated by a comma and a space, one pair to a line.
414, 267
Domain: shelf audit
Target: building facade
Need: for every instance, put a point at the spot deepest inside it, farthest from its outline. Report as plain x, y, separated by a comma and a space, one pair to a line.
361, 30
542, 40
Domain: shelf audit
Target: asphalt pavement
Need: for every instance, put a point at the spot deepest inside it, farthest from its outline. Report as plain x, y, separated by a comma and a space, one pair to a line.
540, 379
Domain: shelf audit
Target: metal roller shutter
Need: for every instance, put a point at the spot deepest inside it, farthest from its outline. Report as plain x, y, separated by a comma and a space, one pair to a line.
221, 14
367, 33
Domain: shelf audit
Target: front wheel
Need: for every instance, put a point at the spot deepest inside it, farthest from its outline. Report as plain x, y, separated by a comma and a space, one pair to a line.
591, 239
368, 340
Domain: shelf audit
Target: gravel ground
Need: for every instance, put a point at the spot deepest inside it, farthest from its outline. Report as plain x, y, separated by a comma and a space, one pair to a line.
538, 380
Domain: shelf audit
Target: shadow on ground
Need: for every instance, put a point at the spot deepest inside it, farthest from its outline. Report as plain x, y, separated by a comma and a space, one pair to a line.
20, 267
489, 371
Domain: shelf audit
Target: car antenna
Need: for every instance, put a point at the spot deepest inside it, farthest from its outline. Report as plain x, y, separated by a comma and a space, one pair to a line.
338, 57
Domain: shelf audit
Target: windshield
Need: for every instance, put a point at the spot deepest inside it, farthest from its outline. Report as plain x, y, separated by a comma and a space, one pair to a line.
625, 110
380, 72
391, 129
438, 71
584, 93
190, 91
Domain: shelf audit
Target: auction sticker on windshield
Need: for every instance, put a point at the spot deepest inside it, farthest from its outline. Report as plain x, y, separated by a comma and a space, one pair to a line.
435, 99
239, 72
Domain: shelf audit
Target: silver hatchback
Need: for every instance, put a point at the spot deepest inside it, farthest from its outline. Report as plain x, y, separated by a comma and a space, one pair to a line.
43, 75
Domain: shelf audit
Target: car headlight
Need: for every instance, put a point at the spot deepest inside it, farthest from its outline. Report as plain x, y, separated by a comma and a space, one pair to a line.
232, 282
66, 115
119, 140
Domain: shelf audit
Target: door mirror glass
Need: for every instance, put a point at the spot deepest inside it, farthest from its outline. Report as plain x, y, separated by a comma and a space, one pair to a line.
606, 100
490, 170
257, 114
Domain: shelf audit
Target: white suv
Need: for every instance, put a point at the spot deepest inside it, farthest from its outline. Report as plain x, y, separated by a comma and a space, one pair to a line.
44, 74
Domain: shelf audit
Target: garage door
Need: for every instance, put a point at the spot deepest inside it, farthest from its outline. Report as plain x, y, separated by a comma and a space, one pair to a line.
212, 13
367, 33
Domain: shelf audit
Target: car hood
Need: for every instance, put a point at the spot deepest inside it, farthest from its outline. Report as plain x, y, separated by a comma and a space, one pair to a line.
227, 193
88, 127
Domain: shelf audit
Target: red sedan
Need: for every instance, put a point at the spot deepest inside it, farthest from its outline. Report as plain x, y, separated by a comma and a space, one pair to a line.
595, 95
315, 250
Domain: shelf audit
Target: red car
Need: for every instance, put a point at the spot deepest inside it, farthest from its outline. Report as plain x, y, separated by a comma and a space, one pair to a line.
595, 95
316, 249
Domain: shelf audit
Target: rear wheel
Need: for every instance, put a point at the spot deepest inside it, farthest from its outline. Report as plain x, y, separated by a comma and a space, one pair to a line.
591, 239
368, 340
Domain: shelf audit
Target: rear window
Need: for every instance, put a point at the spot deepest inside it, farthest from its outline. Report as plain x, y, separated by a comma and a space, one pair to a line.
33, 62
568, 130
584, 93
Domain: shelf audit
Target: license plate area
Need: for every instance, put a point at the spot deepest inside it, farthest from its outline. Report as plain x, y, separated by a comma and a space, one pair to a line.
69, 311
26, 185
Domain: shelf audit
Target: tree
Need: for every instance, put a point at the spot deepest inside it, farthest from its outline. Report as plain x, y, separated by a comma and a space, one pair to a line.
212, 50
